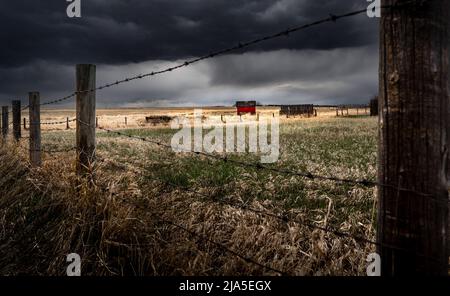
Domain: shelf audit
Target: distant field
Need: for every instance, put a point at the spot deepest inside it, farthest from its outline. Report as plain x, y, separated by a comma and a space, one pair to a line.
115, 118
126, 242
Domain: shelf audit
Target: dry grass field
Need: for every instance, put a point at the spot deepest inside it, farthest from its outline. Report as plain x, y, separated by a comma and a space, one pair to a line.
118, 222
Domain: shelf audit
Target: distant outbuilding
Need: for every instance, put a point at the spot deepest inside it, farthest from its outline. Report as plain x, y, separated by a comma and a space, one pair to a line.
245, 107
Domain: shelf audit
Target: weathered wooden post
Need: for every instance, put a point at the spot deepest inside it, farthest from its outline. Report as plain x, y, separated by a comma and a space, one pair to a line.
337, 112
126, 121
96, 122
5, 121
414, 143
85, 105
24, 123
35, 128
67, 123
16, 113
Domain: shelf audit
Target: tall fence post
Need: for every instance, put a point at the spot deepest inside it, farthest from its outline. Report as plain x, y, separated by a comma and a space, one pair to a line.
85, 105
5, 121
35, 128
414, 123
16, 113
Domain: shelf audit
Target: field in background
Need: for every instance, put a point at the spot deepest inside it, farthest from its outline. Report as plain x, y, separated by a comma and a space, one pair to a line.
126, 240
135, 118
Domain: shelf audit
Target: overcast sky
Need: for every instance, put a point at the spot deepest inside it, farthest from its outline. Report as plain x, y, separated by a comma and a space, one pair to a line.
327, 64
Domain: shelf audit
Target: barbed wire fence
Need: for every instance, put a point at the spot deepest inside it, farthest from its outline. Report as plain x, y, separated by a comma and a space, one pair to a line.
87, 123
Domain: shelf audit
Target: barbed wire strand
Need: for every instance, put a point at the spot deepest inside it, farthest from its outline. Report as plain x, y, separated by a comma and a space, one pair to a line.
200, 236
259, 166
52, 122
285, 218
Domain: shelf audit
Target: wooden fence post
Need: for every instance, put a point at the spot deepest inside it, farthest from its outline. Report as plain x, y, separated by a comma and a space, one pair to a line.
5, 121
24, 124
67, 123
16, 113
126, 121
85, 124
35, 128
414, 124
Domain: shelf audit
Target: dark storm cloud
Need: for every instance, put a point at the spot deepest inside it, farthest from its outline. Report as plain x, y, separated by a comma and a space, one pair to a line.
113, 31
41, 44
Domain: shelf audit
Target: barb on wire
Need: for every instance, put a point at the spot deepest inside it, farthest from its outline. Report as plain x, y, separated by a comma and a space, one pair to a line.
332, 18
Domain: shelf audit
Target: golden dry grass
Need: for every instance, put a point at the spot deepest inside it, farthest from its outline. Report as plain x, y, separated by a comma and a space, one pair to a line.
115, 224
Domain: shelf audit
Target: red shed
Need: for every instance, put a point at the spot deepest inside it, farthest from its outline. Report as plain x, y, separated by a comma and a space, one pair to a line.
244, 107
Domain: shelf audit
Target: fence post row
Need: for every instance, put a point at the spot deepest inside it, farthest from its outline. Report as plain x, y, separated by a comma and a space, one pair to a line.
414, 123
85, 116
16, 112
35, 128
5, 121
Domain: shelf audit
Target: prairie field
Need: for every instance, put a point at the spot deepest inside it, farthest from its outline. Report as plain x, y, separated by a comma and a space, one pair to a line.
150, 211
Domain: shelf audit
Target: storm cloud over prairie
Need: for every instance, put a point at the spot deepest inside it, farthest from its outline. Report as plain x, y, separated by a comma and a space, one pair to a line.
330, 63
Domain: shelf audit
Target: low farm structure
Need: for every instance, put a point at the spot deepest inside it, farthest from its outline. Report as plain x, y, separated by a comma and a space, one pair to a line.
158, 119
294, 110
244, 107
